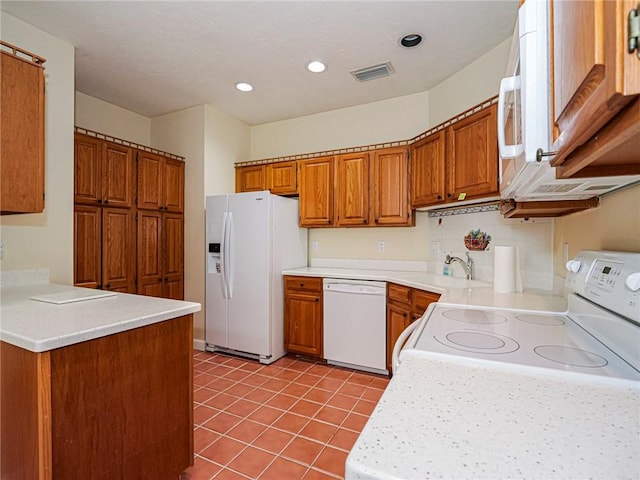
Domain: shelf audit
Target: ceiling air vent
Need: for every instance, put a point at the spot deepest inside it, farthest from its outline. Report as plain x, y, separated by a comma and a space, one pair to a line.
373, 72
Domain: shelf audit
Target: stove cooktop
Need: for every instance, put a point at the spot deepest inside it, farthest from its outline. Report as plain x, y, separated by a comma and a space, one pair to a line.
536, 339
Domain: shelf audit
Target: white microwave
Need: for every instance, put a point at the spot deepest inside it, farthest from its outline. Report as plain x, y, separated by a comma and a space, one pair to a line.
524, 114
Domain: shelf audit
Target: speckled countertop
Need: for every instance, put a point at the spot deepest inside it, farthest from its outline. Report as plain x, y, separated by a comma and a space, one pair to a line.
453, 290
39, 326
452, 420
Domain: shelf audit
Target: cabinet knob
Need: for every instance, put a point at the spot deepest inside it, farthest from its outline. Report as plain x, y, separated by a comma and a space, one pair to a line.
108, 285
100, 201
404, 314
106, 201
439, 197
449, 195
301, 284
317, 299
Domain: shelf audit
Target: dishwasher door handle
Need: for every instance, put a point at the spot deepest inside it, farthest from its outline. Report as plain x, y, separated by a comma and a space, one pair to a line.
357, 289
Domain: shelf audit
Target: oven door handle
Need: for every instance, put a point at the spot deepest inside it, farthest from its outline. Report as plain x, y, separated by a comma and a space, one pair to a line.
395, 356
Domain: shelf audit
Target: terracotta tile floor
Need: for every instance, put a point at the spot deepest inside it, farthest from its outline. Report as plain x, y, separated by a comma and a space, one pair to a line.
290, 420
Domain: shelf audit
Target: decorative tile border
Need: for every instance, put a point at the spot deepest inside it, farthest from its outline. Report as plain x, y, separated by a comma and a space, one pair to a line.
462, 210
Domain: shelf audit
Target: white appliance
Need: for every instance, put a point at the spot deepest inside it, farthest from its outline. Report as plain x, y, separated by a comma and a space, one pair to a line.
250, 237
355, 328
595, 340
523, 120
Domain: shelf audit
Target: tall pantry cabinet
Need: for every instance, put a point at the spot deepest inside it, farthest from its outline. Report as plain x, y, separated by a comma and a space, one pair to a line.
129, 218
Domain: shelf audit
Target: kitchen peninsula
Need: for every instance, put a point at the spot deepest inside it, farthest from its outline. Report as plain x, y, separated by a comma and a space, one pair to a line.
99, 388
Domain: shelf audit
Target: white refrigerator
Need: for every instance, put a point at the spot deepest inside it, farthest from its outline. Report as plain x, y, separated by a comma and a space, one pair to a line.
250, 238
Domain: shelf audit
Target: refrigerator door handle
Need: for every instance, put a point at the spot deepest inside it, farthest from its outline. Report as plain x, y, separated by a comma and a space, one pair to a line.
223, 255
228, 255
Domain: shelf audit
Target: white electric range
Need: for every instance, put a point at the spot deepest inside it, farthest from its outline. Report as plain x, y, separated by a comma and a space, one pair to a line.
482, 392
598, 335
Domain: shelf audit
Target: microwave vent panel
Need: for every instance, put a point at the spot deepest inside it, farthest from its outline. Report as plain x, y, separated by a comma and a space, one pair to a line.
373, 72
556, 188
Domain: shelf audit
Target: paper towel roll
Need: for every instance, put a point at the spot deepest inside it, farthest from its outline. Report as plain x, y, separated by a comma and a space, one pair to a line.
506, 269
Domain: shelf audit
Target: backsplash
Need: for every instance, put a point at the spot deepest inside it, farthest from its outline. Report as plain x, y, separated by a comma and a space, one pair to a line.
21, 278
534, 239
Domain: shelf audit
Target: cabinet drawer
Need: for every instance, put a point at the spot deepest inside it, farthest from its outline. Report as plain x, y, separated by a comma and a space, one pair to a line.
399, 293
421, 301
312, 284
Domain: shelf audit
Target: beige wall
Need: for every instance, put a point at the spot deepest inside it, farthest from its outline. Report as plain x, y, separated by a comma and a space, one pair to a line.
471, 85
614, 225
97, 115
46, 240
211, 143
395, 119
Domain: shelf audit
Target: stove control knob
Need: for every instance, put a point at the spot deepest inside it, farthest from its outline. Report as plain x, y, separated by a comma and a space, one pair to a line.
573, 266
633, 282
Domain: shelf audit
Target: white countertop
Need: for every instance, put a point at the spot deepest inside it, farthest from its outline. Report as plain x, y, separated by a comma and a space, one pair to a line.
453, 290
451, 420
39, 326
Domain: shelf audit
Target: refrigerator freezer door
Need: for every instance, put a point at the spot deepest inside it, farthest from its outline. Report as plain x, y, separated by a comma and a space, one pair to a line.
249, 243
216, 306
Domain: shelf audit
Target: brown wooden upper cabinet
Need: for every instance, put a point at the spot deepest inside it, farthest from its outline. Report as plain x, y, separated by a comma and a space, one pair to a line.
160, 183
22, 132
104, 172
457, 163
594, 78
280, 178
352, 189
252, 178
389, 191
316, 177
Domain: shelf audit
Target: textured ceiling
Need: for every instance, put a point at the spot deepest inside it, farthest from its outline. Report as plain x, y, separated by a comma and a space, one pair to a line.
155, 57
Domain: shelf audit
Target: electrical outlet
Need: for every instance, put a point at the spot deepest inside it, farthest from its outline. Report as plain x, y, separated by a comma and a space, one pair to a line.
435, 247
314, 245
1, 249
565, 252
381, 246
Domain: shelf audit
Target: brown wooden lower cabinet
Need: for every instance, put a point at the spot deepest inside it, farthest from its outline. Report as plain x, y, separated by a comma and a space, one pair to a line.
303, 311
405, 305
117, 407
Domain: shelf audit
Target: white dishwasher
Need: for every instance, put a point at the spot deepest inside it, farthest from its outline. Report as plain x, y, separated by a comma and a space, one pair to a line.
355, 327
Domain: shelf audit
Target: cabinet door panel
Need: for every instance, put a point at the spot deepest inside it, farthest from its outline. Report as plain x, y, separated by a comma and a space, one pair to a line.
251, 179
398, 318
303, 324
390, 187
87, 238
316, 178
594, 76
352, 189
21, 135
174, 185
118, 176
88, 153
427, 170
282, 178
150, 180
173, 248
117, 249
472, 156
149, 253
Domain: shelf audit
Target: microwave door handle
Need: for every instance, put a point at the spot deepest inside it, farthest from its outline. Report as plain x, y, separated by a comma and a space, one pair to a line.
509, 84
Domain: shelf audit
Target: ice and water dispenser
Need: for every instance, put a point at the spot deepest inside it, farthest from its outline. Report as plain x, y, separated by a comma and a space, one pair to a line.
214, 261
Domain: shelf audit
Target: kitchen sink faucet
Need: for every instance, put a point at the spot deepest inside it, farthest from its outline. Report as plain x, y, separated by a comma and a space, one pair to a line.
467, 266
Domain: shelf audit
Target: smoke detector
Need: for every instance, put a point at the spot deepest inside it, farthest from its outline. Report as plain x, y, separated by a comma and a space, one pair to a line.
373, 72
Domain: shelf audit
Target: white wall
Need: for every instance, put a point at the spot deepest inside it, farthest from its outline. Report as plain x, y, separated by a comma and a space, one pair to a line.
395, 119
100, 116
473, 84
46, 240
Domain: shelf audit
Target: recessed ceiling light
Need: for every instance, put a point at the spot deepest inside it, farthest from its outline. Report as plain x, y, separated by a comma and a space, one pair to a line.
244, 87
411, 40
316, 67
